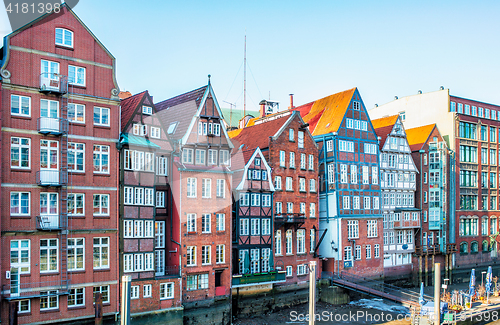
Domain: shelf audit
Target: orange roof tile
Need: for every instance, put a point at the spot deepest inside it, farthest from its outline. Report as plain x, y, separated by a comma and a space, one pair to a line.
325, 115
419, 135
385, 121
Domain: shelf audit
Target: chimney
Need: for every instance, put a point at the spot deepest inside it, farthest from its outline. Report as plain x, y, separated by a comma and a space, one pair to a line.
291, 102
262, 108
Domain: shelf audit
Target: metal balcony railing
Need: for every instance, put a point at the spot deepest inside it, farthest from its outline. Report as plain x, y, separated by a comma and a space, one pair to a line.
21, 290
52, 125
53, 83
400, 224
48, 222
51, 177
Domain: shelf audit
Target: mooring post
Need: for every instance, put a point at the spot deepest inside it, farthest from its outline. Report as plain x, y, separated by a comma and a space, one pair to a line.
437, 298
433, 266
426, 269
125, 307
312, 292
420, 269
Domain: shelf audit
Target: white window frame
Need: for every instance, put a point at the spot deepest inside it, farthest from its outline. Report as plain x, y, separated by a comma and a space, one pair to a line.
18, 148
78, 294
206, 252
19, 99
73, 69
220, 254
100, 113
155, 132
63, 42
160, 199
206, 188
49, 245
101, 196
221, 188
147, 291
191, 187
77, 245
191, 256
166, 290
103, 263
206, 223
220, 222
187, 156
148, 110
98, 150
19, 201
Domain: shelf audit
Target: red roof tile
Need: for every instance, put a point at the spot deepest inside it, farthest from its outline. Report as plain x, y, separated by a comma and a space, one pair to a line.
258, 135
195, 95
128, 106
383, 127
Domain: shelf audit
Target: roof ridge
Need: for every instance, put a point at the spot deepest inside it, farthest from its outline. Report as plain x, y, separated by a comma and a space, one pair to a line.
181, 95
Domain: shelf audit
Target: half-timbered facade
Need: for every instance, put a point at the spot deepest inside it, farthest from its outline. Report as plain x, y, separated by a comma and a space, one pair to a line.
145, 215
60, 125
201, 183
253, 220
398, 179
350, 225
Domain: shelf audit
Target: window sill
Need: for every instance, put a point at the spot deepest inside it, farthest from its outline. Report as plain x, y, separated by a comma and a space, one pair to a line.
77, 86
101, 217
22, 170
105, 270
55, 310
20, 217
76, 271
76, 172
76, 307
191, 233
64, 47
102, 174
102, 126
23, 117
49, 273
288, 254
76, 216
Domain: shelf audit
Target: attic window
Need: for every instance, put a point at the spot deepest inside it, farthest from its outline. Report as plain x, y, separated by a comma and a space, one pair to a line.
356, 105
403, 116
257, 162
171, 127
147, 110
64, 37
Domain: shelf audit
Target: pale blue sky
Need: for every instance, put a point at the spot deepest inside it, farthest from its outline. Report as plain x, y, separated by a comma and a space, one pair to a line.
309, 48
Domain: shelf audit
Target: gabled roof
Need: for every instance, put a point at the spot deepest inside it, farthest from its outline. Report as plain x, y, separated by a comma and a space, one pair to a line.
326, 114
128, 106
383, 127
258, 135
418, 136
180, 109
248, 159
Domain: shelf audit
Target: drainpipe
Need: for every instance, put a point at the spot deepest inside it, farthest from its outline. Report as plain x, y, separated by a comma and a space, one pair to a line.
421, 194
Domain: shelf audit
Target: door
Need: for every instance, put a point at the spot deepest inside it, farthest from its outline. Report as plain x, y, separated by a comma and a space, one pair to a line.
49, 162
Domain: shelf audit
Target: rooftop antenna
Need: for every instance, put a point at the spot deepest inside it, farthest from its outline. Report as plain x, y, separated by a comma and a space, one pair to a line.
245, 77
230, 113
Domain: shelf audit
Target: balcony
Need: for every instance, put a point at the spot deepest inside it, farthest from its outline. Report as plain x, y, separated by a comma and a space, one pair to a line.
51, 177
53, 83
289, 220
258, 278
48, 222
52, 125
169, 271
427, 249
17, 291
406, 224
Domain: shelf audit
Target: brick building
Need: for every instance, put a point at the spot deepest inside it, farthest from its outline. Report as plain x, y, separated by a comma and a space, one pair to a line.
200, 184
349, 201
398, 180
253, 221
146, 224
430, 154
292, 155
60, 124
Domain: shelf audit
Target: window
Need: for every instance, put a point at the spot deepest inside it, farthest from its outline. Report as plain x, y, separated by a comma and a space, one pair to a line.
205, 254
357, 252
49, 203
355, 202
162, 165
266, 200
255, 199
301, 241
292, 159
244, 199
311, 162
347, 253
76, 75
146, 290
20, 105
224, 158
255, 260
255, 227
101, 159
289, 184
279, 208
345, 202
128, 262
212, 157
101, 253
291, 135
300, 135
64, 37
329, 145
134, 292
197, 282
49, 71
20, 255
191, 255
101, 204
244, 227
148, 110
49, 300
289, 207
187, 156
372, 228
266, 227
493, 226
206, 223
352, 229
191, 187
303, 161
216, 129
464, 248
76, 254
289, 271
200, 157
302, 184
354, 174
312, 185
468, 227
155, 132
368, 252
20, 149
24, 306
160, 199
148, 196
289, 244
101, 116
346, 146
277, 242
220, 254
277, 182
76, 157
377, 251
206, 188
76, 297
49, 255
159, 234
167, 290
140, 129
453, 107
20, 203
282, 159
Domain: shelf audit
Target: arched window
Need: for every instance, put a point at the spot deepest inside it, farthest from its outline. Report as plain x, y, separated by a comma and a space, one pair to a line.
464, 248
474, 246
485, 246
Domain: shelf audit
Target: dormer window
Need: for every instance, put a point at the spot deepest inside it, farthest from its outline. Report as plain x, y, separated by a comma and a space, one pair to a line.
257, 162
148, 110
140, 129
64, 37
356, 105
